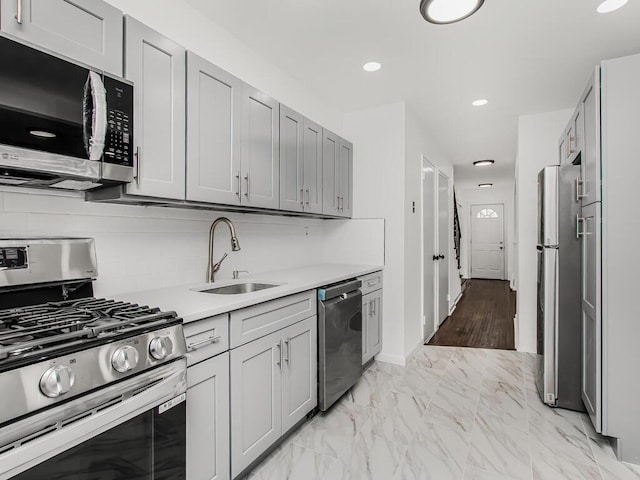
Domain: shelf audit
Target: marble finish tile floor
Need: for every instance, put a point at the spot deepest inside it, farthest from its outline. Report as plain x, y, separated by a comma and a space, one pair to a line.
452, 414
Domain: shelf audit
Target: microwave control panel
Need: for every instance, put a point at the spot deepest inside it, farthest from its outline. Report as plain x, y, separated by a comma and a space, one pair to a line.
13, 258
118, 147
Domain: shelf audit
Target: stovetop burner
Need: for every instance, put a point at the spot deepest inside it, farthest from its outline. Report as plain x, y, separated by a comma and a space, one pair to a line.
55, 325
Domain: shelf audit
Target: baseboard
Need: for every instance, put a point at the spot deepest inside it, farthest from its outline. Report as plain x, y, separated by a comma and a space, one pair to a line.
394, 359
516, 331
455, 304
414, 351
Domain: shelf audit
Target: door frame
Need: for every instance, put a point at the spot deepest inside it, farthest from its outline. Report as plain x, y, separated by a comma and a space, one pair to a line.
447, 253
426, 335
504, 238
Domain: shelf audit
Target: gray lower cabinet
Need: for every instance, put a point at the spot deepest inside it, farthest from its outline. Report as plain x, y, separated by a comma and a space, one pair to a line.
208, 446
273, 386
591, 314
371, 315
156, 65
89, 31
214, 119
260, 165
337, 166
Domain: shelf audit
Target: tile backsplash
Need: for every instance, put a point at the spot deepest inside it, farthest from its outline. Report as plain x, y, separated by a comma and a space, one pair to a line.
142, 248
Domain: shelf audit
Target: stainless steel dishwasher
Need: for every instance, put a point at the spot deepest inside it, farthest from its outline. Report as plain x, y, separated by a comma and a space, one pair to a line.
339, 340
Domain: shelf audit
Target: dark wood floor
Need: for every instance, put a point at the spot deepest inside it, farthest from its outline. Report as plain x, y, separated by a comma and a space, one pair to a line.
482, 319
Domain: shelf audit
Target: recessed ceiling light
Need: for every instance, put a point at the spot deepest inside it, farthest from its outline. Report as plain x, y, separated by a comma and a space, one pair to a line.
480, 102
485, 185
483, 163
611, 5
42, 133
448, 11
371, 66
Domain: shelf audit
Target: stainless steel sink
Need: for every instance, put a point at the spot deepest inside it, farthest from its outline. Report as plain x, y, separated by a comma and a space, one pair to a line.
238, 288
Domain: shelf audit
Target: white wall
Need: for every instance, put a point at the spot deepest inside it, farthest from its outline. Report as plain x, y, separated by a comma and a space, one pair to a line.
419, 142
474, 196
388, 144
182, 23
378, 192
538, 137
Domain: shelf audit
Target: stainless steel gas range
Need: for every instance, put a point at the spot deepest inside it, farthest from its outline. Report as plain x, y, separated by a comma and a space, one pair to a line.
89, 388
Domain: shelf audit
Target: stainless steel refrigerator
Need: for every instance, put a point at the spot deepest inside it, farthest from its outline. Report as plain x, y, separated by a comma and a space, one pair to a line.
559, 303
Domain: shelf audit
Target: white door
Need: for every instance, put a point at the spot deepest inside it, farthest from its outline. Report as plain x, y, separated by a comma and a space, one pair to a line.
429, 254
487, 241
444, 226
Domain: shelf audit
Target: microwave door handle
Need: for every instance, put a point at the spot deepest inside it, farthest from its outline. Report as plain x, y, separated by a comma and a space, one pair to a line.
98, 116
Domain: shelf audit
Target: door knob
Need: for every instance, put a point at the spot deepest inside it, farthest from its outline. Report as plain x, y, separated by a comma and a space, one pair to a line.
436, 257
441, 257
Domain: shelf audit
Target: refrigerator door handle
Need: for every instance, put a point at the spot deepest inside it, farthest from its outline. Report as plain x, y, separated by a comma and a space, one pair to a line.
579, 220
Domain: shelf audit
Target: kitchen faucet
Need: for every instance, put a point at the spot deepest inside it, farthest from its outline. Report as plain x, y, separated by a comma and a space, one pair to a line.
235, 246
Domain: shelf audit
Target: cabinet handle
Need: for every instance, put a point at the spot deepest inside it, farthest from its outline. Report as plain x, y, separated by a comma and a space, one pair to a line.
246, 194
370, 308
19, 12
374, 306
338, 206
196, 345
238, 176
579, 193
578, 232
286, 344
302, 197
137, 156
279, 360
308, 197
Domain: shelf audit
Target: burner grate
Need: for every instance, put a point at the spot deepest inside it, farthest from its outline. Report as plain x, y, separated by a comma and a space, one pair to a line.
57, 324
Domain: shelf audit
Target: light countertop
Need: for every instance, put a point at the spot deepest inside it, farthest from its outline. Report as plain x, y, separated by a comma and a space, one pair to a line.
191, 304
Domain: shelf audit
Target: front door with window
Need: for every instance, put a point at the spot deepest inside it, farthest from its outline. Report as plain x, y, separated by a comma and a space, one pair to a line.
487, 241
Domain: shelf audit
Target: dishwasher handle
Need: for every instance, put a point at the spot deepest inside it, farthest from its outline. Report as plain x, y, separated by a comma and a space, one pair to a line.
338, 290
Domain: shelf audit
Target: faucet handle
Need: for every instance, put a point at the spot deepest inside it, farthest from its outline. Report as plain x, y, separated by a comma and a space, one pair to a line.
216, 266
236, 273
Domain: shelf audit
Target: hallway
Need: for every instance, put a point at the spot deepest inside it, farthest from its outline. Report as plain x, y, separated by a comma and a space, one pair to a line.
482, 319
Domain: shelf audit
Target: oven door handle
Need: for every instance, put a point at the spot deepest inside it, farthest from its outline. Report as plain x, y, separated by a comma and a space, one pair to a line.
88, 416
94, 124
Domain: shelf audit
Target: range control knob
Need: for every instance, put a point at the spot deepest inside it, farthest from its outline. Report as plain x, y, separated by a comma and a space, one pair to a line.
125, 359
57, 381
161, 347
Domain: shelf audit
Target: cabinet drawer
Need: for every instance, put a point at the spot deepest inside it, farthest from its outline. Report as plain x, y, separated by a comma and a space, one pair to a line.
371, 282
206, 338
254, 322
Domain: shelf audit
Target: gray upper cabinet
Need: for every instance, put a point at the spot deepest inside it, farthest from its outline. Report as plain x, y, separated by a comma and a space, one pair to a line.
590, 163
312, 143
292, 193
89, 31
156, 65
214, 119
208, 419
260, 172
337, 180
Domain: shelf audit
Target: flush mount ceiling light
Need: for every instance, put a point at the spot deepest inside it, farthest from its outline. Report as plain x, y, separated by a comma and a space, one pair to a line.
611, 5
483, 163
442, 12
371, 67
485, 185
42, 133
480, 103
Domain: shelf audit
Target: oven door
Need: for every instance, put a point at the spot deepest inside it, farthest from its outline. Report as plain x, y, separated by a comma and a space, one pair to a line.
131, 430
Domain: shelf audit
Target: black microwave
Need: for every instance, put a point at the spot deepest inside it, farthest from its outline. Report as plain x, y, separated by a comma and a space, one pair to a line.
62, 125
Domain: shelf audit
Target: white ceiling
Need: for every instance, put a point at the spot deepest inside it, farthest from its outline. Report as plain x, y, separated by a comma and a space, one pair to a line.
525, 56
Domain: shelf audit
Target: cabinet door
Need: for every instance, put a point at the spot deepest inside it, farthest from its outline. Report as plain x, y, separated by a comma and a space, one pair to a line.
346, 178
256, 399
292, 193
374, 330
156, 65
260, 149
330, 173
299, 367
312, 167
214, 109
366, 320
591, 314
208, 419
590, 162
89, 31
